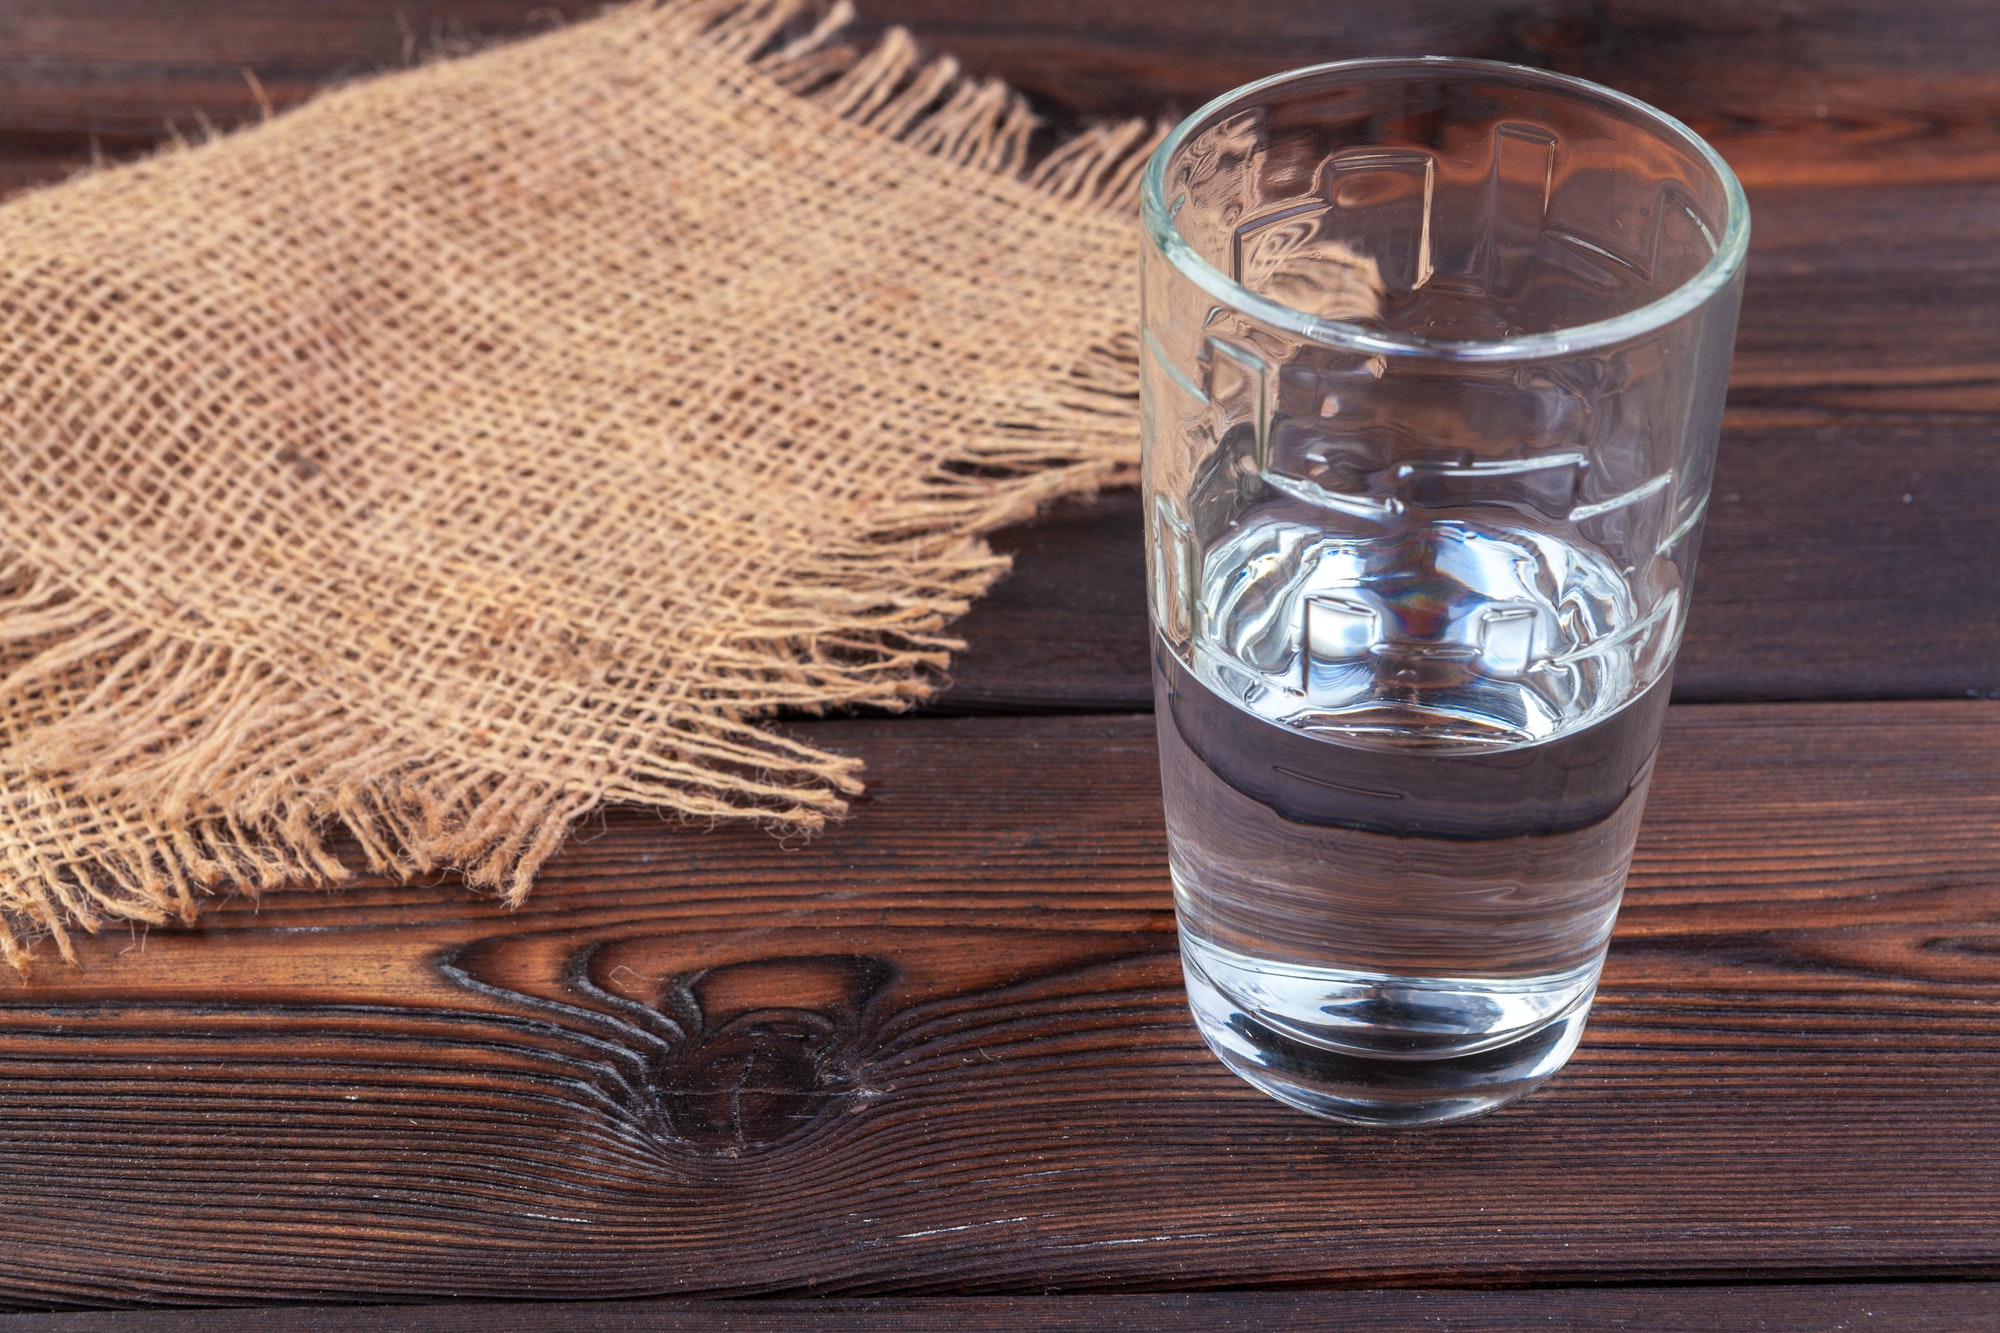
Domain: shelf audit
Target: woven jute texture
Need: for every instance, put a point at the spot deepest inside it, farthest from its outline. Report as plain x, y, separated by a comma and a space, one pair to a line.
496, 439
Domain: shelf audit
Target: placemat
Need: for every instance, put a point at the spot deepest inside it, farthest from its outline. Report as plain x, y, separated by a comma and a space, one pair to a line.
492, 440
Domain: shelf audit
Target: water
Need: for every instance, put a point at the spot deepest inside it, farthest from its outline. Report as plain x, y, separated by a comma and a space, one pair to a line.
1404, 770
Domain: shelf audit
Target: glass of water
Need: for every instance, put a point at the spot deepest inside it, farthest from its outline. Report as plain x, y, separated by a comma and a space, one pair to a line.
1434, 361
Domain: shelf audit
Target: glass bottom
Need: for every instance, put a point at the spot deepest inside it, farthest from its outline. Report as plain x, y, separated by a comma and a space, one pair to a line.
1373, 1089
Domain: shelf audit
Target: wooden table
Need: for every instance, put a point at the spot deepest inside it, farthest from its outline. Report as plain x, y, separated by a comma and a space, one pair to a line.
936, 1063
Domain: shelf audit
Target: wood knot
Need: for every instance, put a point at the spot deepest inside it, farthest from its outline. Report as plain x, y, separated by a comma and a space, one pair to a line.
770, 1043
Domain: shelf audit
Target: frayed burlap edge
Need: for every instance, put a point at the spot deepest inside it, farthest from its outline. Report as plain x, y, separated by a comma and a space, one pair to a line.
163, 768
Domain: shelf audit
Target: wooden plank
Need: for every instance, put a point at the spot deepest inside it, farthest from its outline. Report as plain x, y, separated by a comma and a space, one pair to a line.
1870, 300
1859, 89
1792, 1308
1835, 562
1820, 91
1891, 289
943, 1050
122, 71
1841, 560
1858, 299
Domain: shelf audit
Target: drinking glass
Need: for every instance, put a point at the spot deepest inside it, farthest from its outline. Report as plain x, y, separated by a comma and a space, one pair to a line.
1434, 360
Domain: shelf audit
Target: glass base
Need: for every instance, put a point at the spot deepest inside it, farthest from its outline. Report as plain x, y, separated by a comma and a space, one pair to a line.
1361, 1089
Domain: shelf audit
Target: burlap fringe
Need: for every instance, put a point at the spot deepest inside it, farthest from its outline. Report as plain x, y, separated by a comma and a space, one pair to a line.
213, 772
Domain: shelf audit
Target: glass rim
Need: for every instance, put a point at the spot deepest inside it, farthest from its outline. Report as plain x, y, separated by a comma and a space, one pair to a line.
1689, 296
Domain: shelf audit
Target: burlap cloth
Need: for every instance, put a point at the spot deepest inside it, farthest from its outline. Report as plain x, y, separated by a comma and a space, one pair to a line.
489, 441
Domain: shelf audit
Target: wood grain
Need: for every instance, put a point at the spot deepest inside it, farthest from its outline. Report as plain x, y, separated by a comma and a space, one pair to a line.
944, 1050
1936, 1307
1815, 92
123, 71
1872, 300
1845, 557
1862, 91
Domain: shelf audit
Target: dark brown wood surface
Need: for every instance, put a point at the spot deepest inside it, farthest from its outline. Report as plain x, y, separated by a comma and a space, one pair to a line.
1847, 556
1934, 1307
942, 1051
